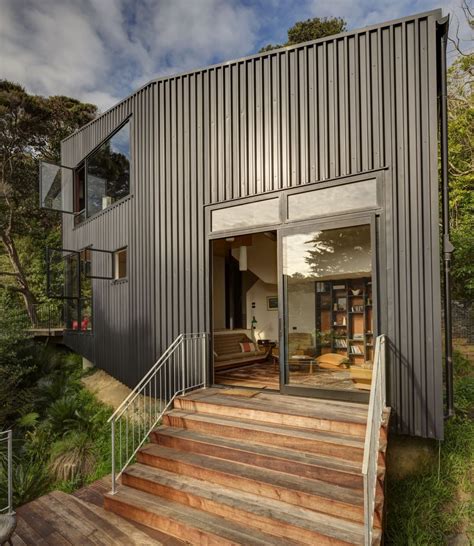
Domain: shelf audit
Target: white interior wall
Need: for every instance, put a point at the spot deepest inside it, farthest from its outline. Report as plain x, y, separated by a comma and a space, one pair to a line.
267, 321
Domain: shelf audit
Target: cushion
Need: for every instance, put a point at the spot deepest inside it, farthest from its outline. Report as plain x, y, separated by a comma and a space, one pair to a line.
330, 360
227, 343
247, 347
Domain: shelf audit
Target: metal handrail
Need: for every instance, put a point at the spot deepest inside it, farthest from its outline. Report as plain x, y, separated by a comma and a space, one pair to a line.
7, 436
182, 367
375, 419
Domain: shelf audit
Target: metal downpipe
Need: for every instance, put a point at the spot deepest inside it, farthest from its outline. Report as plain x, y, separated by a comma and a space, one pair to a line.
447, 245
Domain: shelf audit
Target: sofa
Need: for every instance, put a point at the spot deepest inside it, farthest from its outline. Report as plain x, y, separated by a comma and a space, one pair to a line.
228, 353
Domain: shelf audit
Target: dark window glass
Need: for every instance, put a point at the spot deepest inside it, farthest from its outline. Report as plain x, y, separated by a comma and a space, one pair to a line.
108, 172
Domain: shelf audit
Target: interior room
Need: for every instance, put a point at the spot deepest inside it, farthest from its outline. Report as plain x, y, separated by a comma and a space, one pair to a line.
245, 310
327, 286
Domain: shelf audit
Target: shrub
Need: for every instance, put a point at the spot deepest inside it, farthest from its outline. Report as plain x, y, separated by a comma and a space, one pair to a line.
73, 457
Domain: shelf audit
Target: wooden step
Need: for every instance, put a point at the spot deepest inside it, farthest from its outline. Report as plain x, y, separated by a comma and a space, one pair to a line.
194, 526
279, 410
323, 443
312, 494
268, 515
303, 465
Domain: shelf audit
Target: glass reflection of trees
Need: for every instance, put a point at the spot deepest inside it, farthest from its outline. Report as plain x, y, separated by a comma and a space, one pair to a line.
108, 171
335, 252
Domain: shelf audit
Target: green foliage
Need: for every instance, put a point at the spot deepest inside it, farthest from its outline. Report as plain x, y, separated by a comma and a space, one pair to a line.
437, 503
311, 29
461, 174
31, 128
73, 457
61, 434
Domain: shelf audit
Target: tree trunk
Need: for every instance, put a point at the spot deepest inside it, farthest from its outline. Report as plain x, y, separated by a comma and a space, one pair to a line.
24, 287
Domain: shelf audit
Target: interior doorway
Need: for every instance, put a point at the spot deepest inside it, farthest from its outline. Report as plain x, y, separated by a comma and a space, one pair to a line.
245, 311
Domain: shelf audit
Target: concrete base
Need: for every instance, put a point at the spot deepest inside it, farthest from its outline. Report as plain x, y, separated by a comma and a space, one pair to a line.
407, 456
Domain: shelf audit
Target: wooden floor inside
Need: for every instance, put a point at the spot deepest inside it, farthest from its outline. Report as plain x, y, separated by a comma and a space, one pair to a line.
80, 519
266, 375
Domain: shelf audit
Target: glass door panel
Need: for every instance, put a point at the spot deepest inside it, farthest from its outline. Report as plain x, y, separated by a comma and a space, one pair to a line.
327, 308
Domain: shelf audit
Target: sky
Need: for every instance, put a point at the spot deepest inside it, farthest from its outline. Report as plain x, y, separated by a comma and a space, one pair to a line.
100, 51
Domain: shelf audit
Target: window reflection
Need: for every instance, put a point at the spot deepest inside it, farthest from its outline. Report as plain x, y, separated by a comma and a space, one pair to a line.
358, 195
328, 305
108, 172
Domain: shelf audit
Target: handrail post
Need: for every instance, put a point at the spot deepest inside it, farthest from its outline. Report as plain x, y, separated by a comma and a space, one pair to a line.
167, 373
10, 471
182, 353
204, 359
113, 457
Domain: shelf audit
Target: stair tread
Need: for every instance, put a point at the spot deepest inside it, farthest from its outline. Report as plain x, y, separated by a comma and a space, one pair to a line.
278, 404
309, 486
329, 437
192, 517
292, 455
276, 510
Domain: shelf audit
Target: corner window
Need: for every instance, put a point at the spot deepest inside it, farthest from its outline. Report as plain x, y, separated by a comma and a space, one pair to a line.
108, 172
120, 258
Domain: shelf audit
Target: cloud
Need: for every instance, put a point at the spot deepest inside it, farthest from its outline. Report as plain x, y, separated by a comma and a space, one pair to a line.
101, 50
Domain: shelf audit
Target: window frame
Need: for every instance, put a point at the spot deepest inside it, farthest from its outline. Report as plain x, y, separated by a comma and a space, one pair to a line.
121, 250
83, 164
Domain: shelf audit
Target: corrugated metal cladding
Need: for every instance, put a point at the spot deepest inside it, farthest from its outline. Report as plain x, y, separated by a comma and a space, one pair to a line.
339, 106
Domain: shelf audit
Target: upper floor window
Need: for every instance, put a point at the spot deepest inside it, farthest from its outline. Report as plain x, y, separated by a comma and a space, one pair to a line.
108, 172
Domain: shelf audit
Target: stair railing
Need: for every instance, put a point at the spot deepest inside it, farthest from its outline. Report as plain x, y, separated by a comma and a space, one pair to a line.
6, 437
375, 419
182, 367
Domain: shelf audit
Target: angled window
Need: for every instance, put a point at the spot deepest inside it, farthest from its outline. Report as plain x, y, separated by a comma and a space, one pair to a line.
108, 172
56, 191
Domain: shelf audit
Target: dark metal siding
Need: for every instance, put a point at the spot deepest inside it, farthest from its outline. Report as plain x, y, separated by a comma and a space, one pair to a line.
339, 106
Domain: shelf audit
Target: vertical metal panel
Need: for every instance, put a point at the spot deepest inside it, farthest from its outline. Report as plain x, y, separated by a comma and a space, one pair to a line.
338, 106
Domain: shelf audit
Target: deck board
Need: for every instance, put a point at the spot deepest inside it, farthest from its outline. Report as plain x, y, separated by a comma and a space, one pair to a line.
59, 519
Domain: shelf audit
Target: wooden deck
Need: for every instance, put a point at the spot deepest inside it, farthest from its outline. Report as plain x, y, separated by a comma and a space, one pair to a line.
79, 519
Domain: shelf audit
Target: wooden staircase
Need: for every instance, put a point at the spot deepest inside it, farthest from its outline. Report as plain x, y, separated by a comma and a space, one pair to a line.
230, 468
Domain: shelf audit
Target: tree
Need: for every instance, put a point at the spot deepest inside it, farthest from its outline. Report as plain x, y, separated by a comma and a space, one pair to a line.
31, 128
461, 173
311, 29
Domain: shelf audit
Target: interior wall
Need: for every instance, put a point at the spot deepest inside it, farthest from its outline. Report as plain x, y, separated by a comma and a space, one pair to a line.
218, 288
267, 321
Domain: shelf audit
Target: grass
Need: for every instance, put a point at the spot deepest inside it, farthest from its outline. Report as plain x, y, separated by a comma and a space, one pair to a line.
436, 504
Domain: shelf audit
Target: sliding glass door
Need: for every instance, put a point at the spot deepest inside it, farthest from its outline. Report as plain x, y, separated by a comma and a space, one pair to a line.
327, 314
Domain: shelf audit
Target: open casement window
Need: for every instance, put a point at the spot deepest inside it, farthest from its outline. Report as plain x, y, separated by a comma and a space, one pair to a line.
98, 264
69, 278
96, 183
56, 188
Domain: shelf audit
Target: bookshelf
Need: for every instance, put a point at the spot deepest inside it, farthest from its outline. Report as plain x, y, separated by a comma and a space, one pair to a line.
344, 318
